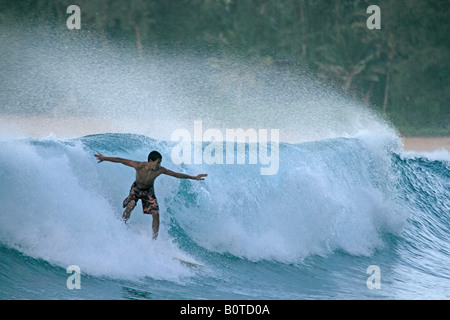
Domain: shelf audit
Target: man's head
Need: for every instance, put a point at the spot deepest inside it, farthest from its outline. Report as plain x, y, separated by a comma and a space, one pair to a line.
155, 157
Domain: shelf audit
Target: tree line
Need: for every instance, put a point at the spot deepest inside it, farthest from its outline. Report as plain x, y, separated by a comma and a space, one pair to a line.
401, 69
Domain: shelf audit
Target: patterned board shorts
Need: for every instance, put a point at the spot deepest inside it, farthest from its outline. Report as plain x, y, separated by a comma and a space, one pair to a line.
147, 196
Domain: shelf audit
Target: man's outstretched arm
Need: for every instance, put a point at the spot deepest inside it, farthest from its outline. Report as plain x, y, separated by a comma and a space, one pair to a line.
184, 176
130, 163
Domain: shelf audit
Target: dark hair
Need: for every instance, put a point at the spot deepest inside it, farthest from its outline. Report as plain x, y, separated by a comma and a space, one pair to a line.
154, 155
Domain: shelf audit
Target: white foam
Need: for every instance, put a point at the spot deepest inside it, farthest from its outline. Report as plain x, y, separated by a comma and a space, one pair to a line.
439, 155
54, 208
323, 199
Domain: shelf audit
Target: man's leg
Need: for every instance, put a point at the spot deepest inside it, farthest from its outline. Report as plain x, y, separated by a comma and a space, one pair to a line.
127, 212
155, 224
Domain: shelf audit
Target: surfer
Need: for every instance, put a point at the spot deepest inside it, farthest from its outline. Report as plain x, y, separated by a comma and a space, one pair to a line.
143, 187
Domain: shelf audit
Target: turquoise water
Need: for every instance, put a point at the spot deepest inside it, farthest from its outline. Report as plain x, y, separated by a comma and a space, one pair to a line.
346, 201
335, 207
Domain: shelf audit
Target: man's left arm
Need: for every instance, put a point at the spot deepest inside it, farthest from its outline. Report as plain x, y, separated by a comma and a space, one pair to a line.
184, 176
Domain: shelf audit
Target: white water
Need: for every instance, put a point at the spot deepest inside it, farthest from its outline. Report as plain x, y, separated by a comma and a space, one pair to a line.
59, 205
54, 207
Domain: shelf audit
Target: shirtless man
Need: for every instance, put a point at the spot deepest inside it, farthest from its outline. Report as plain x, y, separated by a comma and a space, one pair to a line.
142, 188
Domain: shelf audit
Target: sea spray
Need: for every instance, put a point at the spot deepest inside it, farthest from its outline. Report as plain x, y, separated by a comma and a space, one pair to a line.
81, 84
334, 193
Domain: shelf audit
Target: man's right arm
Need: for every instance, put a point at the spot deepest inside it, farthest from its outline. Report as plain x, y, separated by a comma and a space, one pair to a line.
130, 163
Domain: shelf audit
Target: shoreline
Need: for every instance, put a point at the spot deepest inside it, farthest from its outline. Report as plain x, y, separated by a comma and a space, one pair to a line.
426, 144
40, 127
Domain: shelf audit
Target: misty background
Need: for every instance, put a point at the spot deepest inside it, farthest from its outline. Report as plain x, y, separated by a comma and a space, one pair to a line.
400, 71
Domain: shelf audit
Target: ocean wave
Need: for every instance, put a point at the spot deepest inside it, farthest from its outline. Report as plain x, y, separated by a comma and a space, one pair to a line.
332, 195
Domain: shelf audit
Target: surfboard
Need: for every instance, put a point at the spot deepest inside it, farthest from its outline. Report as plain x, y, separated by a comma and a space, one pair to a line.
187, 261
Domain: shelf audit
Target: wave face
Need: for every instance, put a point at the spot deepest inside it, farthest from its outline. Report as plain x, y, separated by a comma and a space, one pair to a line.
332, 198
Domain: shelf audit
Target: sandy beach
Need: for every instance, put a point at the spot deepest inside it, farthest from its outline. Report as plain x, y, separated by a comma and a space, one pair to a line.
71, 127
426, 144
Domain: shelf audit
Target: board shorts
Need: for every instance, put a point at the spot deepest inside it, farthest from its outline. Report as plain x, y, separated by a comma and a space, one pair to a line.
147, 196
